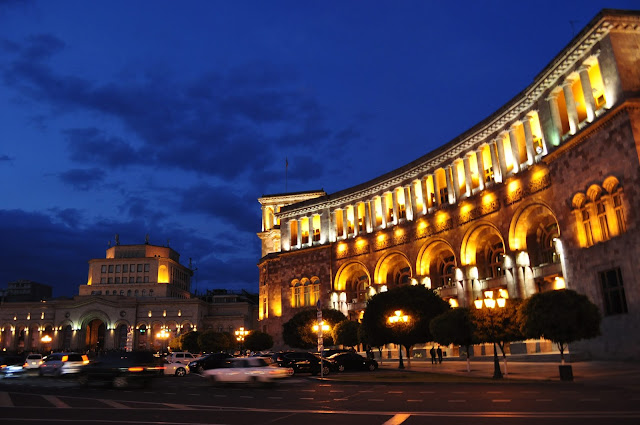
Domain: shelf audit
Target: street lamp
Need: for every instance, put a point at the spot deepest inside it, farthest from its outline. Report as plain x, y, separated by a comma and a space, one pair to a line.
320, 328
491, 304
163, 335
399, 319
240, 334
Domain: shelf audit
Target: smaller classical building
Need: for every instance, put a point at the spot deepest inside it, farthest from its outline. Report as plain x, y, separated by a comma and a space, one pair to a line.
131, 295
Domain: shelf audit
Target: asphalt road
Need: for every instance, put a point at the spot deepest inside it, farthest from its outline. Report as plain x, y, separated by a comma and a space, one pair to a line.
309, 401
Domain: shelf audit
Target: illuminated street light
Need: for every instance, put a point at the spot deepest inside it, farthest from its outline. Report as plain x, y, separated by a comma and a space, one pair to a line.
46, 339
163, 335
240, 334
325, 327
490, 303
399, 319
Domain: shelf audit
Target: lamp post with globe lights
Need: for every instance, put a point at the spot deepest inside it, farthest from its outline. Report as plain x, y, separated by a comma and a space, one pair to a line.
240, 334
163, 335
399, 319
491, 304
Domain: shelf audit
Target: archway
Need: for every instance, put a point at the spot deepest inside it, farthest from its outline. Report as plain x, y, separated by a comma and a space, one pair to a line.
393, 270
533, 230
484, 247
94, 335
437, 261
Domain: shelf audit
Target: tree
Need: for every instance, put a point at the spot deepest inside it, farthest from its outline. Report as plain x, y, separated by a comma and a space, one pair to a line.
189, 342
455, 326
298, 332
499, 325
346, 333
416, 301
211, 341
562, 316
258, 341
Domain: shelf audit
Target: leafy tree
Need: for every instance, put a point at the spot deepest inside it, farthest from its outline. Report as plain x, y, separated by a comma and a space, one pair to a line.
258, 341
416, 301
499, 325
562, 316
346, 333
455, 326
298, 332
189, 342
211, 341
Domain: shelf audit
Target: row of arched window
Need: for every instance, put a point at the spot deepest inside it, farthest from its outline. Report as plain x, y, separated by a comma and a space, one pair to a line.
305, 292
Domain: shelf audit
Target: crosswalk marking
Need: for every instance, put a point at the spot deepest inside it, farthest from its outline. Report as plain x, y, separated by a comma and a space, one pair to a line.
5, 400
397, 419
115, 404
56, 401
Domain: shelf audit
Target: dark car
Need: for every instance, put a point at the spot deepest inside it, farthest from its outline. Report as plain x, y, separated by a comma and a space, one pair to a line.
353, 361
210, 361
303, 362
122, 368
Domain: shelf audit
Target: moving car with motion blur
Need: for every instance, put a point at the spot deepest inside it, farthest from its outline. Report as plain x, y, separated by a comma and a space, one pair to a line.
304, 362
247, 370
11, 366
61, 364
210, 361
353, 361
121, 369
175, 368
33, 361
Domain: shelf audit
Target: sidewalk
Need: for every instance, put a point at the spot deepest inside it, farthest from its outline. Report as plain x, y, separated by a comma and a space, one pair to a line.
619, 374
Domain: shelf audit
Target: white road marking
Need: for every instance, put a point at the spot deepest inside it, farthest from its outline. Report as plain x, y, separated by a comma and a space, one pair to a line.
395, 392
114, 404
307, 398
397, 419
5, 400
56, 402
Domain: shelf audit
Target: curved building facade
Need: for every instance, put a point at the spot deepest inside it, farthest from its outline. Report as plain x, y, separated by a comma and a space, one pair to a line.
541, 195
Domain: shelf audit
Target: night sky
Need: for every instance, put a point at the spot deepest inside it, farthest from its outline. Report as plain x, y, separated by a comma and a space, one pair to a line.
171, 118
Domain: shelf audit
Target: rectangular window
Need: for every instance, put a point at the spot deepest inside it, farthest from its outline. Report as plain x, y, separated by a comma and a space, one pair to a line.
146, 267
307, 295
103, 280
118, 268
117, 280
139, 267
139, 279
146, 279
444, 195
103, 269
110, 280
613, 296
125, 268
488, 175
111, 268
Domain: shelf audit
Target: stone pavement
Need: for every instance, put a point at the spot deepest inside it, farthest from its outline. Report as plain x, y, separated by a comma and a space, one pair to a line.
614, 373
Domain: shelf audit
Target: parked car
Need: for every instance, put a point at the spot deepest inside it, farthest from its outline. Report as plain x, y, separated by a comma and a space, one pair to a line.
175, 368
11, 366
303, 362
353, 361
184, 357
249, 370
122, 368
33, 361
210, 361
60, 364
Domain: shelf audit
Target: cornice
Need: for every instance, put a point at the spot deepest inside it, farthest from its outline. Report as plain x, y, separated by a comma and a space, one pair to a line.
551, 76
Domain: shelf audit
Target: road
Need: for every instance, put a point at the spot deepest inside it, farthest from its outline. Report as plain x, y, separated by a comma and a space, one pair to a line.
310, 401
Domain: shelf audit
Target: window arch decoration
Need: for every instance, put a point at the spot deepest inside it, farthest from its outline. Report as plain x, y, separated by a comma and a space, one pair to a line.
296, 287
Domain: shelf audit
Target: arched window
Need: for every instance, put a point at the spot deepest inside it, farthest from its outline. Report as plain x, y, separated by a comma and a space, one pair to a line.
494, 260
446, 269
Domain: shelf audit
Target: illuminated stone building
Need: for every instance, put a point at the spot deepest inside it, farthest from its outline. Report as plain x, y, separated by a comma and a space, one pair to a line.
541, 195
130, 297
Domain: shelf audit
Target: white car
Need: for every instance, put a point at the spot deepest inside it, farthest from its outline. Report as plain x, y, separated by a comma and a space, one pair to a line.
59, 364
175, 368
183, 357
249, 370
33, 361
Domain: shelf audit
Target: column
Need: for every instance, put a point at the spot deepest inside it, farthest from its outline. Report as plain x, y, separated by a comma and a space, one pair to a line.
587, 91
426, 199
447, 175
394, 201
264, 219
368, 226
436, 190
345, 223
515, 149
572, 112
374, 220
455, 181
480, 163
528, 139
356, 219
410, 201
299, 242
383, 207
502, 164
310, 221
555, 114
468, 182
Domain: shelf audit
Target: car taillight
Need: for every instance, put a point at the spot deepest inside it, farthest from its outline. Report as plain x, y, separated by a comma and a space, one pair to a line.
25, 365
65, 358
156, 368
136, 369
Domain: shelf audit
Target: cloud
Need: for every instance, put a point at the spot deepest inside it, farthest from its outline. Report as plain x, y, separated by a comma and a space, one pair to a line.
82, 179
5, 158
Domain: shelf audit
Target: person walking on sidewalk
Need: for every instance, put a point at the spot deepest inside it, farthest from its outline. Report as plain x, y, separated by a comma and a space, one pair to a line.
433, 355
439, 351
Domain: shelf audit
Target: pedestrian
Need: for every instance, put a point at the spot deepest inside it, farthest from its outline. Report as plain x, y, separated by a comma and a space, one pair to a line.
439, 351
433, 355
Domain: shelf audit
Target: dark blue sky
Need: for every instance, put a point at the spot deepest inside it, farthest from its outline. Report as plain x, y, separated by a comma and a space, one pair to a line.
171, 118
